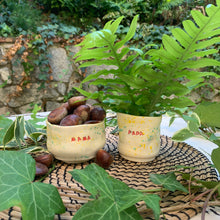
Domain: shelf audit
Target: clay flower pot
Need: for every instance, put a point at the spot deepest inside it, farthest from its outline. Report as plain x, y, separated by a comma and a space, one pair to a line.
75, 144
139, 137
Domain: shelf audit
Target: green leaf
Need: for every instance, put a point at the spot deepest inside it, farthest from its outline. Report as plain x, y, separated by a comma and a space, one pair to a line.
102, 209
5, 123
33, 132
32, 149
38, 201
9, 134
113, 26
207, 184
209, 113
152, 202
200, 63
168, 181
177, 58
180, 102
194, 123
129, 34
19, 130
114, 199
182, 134
215, 158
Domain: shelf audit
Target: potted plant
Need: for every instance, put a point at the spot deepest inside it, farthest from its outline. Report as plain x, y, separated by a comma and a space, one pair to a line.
144, 84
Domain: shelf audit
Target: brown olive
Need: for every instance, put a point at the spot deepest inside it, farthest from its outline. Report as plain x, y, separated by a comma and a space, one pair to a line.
92, 122
82, 111
45, 159
98, 113
57, 115
71, 120
66, 105
76, 101
103, 159
90, 106
41, 169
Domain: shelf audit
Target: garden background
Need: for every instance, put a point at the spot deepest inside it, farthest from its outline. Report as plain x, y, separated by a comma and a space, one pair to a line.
38, 38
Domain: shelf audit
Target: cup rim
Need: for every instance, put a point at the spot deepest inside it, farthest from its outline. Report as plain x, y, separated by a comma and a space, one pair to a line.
138, 116
75, 126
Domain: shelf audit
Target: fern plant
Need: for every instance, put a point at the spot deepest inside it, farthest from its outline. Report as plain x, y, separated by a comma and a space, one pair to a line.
151, 83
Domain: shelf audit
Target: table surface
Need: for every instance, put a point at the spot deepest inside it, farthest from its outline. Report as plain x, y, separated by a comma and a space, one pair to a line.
200, 144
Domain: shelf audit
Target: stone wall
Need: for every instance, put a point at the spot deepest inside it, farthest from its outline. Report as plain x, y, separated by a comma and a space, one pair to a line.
16, 97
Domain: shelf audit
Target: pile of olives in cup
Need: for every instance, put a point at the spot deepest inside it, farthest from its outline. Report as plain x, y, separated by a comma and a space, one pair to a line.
76, 112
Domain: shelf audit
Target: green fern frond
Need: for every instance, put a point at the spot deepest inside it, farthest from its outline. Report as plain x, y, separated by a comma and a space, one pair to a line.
171, 3
144, 87
192, 42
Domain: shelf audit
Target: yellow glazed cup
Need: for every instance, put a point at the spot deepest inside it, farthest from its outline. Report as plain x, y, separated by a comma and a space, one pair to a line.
139, 137
75, 144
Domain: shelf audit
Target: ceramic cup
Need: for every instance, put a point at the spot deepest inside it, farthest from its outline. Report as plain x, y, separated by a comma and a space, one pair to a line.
75, 144
139, 137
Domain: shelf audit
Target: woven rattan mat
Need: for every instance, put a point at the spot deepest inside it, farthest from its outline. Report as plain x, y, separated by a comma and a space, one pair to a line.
135, 175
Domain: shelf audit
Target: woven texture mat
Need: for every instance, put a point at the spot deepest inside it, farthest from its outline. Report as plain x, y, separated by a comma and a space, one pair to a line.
135, 175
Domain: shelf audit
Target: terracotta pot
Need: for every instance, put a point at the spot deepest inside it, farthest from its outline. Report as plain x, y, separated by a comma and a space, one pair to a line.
139, 137
75, 144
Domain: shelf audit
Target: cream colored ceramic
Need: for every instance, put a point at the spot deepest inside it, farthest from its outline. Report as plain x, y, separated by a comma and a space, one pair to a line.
139, 137
75, 144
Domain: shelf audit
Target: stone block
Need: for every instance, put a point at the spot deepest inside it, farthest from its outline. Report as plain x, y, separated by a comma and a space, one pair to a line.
6, 111
5, 75
27, 96
50, 105
27, 108
61, 88
2, 60
5, 93
17, 70
61, 67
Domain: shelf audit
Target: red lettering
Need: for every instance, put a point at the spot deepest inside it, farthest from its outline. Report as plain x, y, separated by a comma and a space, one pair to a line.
79, 139
84, 139
73, 139
135, 132
88, 138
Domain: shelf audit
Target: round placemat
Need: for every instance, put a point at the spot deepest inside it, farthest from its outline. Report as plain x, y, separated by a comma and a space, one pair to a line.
175, 205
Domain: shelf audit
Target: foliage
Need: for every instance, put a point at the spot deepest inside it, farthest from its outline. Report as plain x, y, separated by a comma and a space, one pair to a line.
203, 122
20, 17
158, 12
18, 189
82, 11
150, 83
23, 17
109, 196
114, 198
13, 132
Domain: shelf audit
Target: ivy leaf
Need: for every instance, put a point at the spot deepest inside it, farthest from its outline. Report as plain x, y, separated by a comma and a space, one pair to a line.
215, 158
38, 201
168, 181
207, 184
114, 199
103, 208
209, 113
